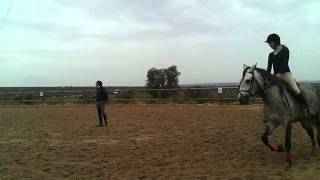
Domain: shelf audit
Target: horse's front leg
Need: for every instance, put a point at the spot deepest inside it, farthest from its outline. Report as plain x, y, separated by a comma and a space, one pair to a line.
269, 130
288, 143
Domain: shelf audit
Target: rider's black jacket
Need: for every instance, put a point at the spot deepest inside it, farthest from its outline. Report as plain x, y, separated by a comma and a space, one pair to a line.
279, 61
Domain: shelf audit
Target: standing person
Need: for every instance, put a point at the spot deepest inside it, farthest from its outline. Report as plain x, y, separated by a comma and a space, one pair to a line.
279, 60
101, 99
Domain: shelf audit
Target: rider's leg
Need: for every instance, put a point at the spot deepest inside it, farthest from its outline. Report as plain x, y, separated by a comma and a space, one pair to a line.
288, 78
288, 143
308, 110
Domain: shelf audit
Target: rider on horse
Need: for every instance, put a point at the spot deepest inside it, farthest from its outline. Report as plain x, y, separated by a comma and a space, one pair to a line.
279, 59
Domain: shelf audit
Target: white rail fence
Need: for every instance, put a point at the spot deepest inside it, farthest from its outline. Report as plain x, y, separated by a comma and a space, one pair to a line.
202, 94
216, 94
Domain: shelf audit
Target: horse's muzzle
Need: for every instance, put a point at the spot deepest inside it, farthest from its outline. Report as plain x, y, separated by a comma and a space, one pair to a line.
244, 100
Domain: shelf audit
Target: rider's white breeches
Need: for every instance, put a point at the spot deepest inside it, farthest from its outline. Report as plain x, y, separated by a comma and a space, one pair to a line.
288, 78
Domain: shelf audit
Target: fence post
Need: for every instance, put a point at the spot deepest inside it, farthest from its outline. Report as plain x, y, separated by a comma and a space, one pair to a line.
61, 97
43, 97
159, 94
83, 96
22, 97
5, 98
220, 91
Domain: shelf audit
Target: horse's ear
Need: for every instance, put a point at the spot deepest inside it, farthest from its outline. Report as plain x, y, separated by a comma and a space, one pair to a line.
244, 66
254, 67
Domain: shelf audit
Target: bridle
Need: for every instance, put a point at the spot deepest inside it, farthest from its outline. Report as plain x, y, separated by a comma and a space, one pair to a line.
253, 81
249, 91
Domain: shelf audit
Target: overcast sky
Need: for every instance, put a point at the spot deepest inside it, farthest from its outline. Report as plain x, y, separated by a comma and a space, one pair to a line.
76, 42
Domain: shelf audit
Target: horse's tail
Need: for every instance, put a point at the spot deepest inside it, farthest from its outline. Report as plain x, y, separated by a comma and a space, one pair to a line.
318, 93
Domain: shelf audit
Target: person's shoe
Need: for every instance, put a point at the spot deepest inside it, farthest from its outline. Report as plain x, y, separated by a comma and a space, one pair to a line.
309, 112
100, 125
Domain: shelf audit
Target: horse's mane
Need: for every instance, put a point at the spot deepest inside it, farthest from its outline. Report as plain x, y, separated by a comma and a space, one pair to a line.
265, 74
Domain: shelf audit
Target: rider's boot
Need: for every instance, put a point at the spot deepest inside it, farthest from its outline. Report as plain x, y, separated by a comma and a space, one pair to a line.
307, 109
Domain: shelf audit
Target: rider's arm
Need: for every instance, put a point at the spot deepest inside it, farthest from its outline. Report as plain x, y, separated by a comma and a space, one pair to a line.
284, 61
269, 64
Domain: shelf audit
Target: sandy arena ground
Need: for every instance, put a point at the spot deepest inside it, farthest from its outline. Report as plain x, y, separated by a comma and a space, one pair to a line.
146, 142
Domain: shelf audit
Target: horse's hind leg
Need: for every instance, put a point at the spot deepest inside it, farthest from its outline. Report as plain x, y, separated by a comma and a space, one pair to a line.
288, 143
310, 132
318, 129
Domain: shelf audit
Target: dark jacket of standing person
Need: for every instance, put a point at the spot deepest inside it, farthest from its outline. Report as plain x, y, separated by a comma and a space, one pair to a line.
101, 94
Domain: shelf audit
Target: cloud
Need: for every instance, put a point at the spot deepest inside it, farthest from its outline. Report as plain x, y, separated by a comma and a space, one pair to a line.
121, 39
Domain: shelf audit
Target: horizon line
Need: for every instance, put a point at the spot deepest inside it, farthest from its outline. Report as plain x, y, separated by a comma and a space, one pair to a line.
187, 84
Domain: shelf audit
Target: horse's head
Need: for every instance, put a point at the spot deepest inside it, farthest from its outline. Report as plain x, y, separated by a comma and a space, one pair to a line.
248, 84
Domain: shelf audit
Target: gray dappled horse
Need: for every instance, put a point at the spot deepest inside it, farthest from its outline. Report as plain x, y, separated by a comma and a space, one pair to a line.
280, 107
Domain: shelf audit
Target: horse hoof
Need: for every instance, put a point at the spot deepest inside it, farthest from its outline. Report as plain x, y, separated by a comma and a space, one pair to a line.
280, 148
289, 166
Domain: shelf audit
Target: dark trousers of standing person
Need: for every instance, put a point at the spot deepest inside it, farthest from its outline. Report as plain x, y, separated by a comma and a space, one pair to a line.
101, 105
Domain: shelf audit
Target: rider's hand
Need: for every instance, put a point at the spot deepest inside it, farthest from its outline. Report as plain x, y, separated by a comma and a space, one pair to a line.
278, 76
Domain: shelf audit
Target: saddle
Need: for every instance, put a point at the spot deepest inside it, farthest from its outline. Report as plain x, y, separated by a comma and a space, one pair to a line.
285, 89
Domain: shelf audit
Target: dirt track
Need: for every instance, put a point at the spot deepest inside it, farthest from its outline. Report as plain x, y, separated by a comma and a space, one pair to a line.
146, 142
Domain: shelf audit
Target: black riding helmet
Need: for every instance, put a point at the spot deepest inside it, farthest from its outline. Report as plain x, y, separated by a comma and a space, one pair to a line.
273, 38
